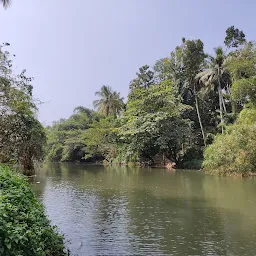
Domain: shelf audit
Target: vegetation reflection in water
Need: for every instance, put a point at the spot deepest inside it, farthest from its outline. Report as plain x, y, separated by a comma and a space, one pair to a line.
129, 211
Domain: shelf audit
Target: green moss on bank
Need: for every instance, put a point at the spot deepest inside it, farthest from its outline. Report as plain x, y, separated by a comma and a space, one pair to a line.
24, 227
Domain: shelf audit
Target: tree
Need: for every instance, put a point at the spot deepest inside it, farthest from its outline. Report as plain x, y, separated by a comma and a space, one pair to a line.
172, 111
234, 151
193, 60
22, 136
152, 123
244, 90
81, 109
213, 75
234, 37
101, 139
182, 66
5, 3
65, 139
242, 66
172, 68
144, 78
110, 102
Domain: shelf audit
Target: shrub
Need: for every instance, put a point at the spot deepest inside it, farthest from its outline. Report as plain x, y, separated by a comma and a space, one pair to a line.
24, 227
194, 164
235, 151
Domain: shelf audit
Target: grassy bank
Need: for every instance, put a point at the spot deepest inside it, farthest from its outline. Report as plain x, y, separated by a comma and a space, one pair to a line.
24, 227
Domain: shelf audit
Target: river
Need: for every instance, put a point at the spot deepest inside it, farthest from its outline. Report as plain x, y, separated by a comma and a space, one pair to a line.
133, 211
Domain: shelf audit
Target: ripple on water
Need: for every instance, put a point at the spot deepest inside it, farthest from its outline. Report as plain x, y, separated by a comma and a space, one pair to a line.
122, 212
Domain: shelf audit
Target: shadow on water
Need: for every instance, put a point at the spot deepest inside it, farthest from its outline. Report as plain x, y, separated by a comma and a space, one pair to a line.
129, 211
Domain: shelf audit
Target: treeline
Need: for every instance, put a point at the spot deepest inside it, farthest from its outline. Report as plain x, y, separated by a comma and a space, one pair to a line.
22, 137
174, 111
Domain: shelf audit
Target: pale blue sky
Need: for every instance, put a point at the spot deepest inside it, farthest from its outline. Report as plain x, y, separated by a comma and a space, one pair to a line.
72, 48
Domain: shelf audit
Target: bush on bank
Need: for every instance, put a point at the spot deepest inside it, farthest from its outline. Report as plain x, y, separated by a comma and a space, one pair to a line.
234, 153
24, 227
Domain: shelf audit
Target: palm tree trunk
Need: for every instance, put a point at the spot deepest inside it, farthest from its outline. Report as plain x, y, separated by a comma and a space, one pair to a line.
223, 102
233, 103
221, 106
199, 117
107, 111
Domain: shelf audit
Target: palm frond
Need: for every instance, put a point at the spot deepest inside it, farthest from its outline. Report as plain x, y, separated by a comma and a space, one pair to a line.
5, 3
97, 103
110, 102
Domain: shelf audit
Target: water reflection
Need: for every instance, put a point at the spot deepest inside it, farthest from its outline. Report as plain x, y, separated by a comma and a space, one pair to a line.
129, 211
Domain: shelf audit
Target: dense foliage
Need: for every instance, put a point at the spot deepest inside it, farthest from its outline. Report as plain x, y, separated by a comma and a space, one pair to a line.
22, 136
234, 151
174, 110
66, 138
152, 123
24, 228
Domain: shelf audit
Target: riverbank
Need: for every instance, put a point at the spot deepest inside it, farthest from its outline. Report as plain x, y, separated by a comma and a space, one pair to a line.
25, 229
194, 164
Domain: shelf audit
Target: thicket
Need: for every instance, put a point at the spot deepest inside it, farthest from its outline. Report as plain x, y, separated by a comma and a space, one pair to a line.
22, 136
234, 152
24, 227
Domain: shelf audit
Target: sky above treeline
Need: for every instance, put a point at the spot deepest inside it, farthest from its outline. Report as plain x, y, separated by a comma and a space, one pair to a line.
72, 48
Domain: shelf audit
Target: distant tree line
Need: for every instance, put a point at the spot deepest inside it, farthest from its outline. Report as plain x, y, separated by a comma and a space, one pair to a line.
175, 110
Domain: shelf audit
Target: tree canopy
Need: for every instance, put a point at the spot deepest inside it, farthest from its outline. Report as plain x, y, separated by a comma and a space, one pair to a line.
6, 3
22, 136
175, 109
110, 102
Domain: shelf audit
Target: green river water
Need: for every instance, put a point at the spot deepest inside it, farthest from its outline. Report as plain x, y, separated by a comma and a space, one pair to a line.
133, 211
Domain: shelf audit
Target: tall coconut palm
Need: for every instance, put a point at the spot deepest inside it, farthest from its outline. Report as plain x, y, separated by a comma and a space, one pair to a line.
195, 93
213, 76
192, 60
110, 102
5, 3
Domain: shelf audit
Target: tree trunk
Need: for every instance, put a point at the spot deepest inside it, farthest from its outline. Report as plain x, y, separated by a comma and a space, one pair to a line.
220, 105
223, 102
233, 103
107, 111
27, 164
198, 115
